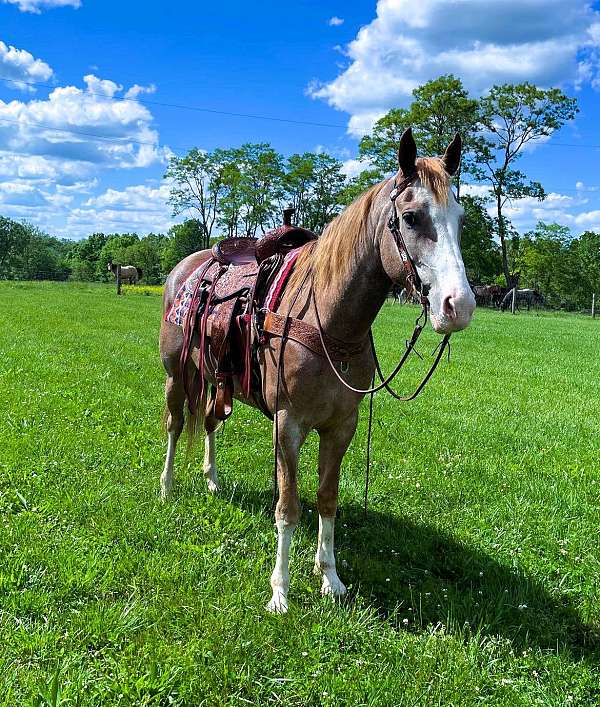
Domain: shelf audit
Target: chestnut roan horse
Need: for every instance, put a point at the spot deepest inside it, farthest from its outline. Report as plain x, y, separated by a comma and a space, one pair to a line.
347, 273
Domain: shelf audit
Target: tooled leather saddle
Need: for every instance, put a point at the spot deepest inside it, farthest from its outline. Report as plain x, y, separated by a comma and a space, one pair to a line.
224, 308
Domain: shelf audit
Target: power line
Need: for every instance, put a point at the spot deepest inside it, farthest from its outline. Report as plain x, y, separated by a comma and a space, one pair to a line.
252, 116
182, 106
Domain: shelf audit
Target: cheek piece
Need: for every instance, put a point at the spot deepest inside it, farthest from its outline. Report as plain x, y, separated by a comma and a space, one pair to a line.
414, 285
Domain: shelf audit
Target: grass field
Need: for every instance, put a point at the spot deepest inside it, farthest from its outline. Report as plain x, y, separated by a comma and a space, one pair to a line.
474, 579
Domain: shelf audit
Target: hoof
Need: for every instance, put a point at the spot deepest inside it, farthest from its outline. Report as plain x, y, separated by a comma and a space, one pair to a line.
278, 603
333, 587
212, 486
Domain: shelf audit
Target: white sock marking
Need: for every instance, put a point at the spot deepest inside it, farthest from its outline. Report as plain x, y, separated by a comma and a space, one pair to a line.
210, 465
325, 559
280, 579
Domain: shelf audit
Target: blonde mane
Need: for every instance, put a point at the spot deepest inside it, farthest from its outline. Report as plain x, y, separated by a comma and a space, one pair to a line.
332, 256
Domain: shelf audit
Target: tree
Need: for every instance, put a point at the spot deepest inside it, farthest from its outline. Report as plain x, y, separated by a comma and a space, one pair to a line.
440, 109
544, 262
512, 116
197, 182
481, 254
184, 239
260, 186
314, 183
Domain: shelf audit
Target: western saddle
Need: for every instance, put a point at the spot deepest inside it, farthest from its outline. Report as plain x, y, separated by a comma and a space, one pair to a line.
227, 313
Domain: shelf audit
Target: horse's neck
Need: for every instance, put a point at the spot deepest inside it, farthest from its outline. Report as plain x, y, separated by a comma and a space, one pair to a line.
347, 310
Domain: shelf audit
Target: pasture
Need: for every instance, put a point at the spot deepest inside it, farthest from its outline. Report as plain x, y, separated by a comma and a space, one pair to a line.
474, 578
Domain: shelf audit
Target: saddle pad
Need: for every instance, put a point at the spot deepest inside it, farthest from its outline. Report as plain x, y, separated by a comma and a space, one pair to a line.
236, 278
276, 290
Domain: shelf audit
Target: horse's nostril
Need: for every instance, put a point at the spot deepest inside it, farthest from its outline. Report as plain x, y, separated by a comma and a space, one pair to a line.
448, 308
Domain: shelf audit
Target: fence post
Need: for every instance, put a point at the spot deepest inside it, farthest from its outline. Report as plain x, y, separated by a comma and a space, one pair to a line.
514, 300
594, 306
118, 279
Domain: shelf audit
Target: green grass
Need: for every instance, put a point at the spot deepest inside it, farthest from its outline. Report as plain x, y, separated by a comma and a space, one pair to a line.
474, 578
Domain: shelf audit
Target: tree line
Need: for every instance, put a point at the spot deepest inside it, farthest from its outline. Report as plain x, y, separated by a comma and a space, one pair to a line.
242, 190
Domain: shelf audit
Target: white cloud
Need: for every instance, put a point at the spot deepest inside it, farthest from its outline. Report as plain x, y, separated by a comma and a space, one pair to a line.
352, 168
136, 90
335, 21
547, 42
20, 67
141, 208
77, 131
572, 211
36, 6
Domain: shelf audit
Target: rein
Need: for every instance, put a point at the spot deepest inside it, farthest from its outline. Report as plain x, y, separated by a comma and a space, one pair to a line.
414, 288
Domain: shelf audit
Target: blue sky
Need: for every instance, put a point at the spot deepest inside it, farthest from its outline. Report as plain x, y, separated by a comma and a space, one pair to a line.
337, 63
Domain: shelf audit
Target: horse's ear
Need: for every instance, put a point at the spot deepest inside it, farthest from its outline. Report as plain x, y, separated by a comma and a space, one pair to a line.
407, 153
451, 158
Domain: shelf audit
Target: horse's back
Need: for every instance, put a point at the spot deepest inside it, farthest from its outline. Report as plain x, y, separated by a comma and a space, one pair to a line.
179, 273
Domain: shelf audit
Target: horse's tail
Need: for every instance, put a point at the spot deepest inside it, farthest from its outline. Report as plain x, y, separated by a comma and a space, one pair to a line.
194, 422
140, 272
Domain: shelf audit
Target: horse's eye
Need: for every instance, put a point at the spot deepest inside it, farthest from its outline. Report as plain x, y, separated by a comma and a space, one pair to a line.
409, 218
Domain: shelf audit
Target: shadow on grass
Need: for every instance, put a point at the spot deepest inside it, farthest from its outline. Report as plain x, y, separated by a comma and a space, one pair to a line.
416, 575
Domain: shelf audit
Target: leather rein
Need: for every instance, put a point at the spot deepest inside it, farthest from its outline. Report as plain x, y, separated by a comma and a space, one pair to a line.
414, 288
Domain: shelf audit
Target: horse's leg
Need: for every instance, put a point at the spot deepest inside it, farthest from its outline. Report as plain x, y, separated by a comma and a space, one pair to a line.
175, 395
332, 446
211, 425
287, 512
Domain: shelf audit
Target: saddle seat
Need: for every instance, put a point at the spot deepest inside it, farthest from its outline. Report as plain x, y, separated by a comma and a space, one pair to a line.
244, 250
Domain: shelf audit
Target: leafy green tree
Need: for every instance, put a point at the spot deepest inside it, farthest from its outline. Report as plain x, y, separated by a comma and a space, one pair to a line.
543, 262
115, 250
184, 239
440, 109
260, 186
147, 255
13, 239
314, 183
481, 254
197, 185
512, 116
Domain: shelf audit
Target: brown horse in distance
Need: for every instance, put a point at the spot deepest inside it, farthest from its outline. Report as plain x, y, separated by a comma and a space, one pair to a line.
350, 268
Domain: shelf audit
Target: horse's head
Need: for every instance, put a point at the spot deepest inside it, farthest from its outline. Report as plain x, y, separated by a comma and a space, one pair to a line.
430, 221
110, 266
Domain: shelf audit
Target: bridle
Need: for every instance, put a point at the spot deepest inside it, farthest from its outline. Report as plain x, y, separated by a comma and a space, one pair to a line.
414, 286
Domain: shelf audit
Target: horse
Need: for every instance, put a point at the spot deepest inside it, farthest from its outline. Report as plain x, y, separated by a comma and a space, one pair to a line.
527, 296
489, 295
130, 274
340, 282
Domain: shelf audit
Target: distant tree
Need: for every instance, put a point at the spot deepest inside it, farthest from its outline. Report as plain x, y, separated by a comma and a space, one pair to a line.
184, 239
196, 186
511, 117
147, 254
13, 239
114, 250
260, 186
481, 253
314, 183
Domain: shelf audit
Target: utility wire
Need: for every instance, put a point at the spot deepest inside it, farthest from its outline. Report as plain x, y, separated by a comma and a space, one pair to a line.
253, 116
182, 106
